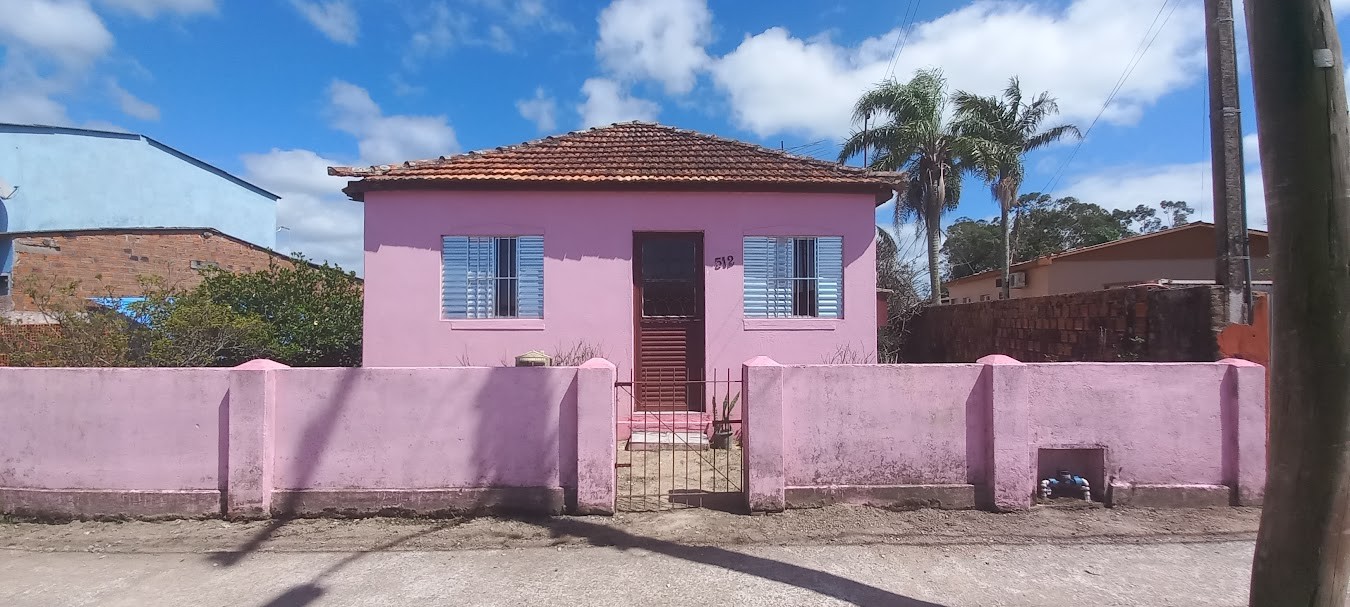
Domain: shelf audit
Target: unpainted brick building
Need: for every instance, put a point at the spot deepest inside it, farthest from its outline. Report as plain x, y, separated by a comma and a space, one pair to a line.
113, 262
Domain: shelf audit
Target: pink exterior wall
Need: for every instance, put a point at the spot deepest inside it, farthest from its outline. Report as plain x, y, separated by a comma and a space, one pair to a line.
131, 429
1161, 423
425, 428
843, 424
947, 435
588, 278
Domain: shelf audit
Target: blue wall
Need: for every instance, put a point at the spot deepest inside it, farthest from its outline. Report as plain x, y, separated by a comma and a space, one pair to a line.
72, 179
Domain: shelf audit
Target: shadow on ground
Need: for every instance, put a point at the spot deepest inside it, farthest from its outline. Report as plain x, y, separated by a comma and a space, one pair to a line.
599, 535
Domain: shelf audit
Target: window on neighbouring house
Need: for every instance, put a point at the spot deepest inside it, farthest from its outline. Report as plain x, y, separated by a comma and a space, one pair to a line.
793, 276
4, 285
492, 276
985, 298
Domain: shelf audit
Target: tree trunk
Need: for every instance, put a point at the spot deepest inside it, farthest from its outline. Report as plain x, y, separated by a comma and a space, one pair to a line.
934, 231
1304, 541
1007, 248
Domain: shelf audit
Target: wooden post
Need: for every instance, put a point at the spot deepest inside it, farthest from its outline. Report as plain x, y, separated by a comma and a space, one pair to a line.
1298, 77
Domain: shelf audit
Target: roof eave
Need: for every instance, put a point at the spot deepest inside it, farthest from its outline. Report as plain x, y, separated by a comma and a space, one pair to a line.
357, 189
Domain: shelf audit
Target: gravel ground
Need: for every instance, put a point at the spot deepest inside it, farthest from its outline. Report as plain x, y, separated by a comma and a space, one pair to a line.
665, 480
837, 525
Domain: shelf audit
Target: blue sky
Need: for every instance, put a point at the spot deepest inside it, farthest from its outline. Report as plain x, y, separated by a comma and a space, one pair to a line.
276, 91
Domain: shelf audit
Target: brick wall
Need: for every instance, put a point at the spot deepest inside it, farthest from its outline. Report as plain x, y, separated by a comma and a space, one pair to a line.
1134, 324
112, 262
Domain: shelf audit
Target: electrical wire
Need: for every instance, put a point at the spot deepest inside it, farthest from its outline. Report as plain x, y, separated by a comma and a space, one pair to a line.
1144, 44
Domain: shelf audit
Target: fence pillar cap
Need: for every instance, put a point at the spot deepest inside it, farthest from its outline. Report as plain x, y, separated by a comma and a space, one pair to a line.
762, 361
1238, 362
999, 359
261, 364
597, 363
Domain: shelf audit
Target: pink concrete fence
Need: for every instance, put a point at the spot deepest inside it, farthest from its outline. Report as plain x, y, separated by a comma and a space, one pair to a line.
266, 439
963, 435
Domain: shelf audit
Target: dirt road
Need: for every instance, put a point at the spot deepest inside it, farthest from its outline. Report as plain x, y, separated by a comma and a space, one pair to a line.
833, 556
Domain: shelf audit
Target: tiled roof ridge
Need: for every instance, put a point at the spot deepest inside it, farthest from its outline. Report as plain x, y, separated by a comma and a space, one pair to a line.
379, 169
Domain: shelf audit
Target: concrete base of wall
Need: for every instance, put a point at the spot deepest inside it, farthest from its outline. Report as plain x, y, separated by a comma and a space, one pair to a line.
908, 497
1169, 496
356, 502
99, 503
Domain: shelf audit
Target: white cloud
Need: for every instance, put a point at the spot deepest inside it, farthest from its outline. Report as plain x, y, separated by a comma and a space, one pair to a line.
387, 139
441, 27
335, 19
1126, 187
661, 40
541, 109
148, 9
132, 105
607, 102
320, 222
778, 83
68, 30
440, 30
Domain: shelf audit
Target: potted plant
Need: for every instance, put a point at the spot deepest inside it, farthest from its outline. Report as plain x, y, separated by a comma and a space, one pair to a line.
721, 436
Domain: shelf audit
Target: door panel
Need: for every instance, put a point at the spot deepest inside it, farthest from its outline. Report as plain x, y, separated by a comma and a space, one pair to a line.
668, 293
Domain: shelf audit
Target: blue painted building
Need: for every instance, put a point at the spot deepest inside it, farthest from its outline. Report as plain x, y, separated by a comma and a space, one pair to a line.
56, 179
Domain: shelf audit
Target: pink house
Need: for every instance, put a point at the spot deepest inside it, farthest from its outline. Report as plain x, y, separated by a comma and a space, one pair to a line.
666, 251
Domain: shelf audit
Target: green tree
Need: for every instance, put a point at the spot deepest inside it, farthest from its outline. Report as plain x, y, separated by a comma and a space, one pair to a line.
1004, 129
1041, 226
184, 328
972, 247
911, 136
314, 311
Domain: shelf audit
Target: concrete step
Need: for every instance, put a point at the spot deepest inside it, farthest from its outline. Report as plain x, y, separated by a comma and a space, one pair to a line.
670, 422
667, 441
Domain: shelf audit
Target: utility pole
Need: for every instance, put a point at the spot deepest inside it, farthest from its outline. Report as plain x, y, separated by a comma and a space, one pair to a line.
1232, 262
1297, 74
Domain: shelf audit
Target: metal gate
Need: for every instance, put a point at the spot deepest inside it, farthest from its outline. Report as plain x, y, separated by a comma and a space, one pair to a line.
688, 456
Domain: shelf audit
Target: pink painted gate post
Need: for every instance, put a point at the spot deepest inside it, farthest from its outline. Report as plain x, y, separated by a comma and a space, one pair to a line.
1248, 389
596, 438
248, 435
765, 477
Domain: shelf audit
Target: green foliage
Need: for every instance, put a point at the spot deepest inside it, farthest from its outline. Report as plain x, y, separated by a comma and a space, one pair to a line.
908, 132
314, 312
80, 333
1041, 226
304, 315
187, 329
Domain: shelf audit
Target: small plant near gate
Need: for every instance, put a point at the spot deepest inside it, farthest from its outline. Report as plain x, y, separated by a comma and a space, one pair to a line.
721, 437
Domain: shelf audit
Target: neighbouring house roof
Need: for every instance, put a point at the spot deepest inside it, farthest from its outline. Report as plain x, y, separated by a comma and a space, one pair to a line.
1192, 228
628, 155
44, 129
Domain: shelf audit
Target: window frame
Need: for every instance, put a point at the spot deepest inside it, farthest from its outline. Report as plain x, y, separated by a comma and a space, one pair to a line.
800, 291
507, 275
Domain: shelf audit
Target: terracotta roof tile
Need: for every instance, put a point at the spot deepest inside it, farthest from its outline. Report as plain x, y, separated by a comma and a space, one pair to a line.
634, 154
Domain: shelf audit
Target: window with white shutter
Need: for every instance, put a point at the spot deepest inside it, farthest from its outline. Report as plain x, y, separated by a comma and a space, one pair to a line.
492, 276
791, 276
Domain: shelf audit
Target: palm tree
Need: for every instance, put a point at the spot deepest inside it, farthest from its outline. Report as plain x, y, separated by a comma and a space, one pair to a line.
1003, 130
912, 138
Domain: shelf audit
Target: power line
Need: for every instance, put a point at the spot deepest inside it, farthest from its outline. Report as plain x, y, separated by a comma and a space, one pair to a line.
907, 24
1144, 44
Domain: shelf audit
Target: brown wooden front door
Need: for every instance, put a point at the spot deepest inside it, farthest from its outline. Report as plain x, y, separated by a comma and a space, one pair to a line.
668, 298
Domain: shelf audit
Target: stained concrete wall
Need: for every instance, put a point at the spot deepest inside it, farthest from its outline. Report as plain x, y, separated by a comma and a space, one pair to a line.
101, 441
264, 439
883, 426
956, 435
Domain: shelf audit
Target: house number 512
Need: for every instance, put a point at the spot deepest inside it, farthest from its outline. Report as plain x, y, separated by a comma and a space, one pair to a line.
722, 263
